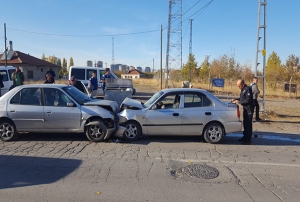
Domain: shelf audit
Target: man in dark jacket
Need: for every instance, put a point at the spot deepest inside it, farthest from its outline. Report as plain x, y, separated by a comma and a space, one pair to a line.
246, 100
77, 84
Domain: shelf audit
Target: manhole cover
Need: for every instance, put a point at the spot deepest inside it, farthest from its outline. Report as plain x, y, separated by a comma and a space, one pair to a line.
198, 171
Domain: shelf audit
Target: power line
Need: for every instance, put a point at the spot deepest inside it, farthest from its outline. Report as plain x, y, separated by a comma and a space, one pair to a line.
87, 36
190, 8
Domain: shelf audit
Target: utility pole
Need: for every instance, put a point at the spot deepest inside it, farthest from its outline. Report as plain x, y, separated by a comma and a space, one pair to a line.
113, 54
190, 51
262, 3
153, 66
161, 72
174, 37
5, 50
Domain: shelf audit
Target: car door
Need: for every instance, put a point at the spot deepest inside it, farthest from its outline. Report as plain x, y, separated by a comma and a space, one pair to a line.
165, 120
58, 115
197, 111
26, 110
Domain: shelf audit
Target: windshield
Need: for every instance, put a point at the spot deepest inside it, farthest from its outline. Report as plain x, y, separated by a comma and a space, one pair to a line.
77, 95
153, 99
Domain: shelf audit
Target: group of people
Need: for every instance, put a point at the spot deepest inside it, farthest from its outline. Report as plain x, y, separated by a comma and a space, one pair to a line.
248, 99
93, 83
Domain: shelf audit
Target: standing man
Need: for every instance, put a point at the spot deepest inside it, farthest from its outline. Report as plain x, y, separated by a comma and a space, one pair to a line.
255, 91
17, 77
246, 100
52, 74
94, 84
77, 84
105, 76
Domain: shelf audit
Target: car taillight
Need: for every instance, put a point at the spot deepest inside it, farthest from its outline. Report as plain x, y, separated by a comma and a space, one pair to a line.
238, 111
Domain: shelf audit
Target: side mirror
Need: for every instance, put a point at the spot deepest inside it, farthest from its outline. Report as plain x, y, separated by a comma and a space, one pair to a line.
70, 104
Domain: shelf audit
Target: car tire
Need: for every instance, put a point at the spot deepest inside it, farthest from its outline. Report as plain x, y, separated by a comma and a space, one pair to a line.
96, 133
8, 131
213, 133
133, 130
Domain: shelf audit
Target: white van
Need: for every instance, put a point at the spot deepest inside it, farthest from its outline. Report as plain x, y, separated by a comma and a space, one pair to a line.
83, 74
6, 73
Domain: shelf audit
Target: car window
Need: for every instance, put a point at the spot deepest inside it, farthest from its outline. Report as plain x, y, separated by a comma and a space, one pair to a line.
169, 101
51, 96
79, 74
4, 75
76, 94
89, 73
196, 100
27, 96
153, 99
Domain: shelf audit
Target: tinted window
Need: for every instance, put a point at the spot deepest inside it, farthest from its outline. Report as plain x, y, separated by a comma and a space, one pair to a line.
196, 100
15, 99
30, 96
78, 73
4, 75
89, 73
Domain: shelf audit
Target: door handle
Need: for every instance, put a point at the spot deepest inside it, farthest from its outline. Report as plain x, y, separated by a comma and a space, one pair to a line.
49, 113
175, 114
207, 113
13, 111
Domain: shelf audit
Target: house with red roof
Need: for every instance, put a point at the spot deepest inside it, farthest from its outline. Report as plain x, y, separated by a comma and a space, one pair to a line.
33, 68
133, 74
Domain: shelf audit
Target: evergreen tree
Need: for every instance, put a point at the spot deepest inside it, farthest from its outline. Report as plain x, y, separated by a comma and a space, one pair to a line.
64, 70
190, 66
43, 57
204, 69
71, 63
274, 70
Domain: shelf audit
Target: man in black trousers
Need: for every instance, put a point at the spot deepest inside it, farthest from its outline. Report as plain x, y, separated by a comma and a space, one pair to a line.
246, 100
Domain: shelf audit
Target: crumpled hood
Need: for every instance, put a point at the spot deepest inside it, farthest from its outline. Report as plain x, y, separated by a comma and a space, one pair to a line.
133, 103
104, 103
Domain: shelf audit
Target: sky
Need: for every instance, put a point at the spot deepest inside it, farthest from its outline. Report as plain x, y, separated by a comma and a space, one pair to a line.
130, 29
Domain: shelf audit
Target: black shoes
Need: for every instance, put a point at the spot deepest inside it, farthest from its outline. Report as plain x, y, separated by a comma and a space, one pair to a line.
259, 119
244, 141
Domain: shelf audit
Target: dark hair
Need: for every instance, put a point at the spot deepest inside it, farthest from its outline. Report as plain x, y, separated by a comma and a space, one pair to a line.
107, 69
255, 77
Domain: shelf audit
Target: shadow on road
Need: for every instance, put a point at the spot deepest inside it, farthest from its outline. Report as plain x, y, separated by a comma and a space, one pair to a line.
52, 137
259, 138
20, 171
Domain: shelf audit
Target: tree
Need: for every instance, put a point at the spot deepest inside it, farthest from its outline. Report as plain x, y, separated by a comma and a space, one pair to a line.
43, 57
191, 65
63, 71
274, 70
204, 69
59, 62
71, 63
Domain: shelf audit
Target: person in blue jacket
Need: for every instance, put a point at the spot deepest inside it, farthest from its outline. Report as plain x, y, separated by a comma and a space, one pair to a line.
105, 76
93, 82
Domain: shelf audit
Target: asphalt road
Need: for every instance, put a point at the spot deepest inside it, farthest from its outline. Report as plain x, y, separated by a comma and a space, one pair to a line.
67, 167
56, 167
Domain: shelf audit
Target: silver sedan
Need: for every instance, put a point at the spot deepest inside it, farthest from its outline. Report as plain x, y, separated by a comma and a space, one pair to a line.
55, 108
179, 111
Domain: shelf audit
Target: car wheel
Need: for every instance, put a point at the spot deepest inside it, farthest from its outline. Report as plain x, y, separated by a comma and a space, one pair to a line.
96, 133
133, 130
8, 131
213, 133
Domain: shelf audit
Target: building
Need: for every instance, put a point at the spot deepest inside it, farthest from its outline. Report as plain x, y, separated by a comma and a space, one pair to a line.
33, 68
133, 74
147, 69
89, 63
139, 69
123, 68
99, 64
